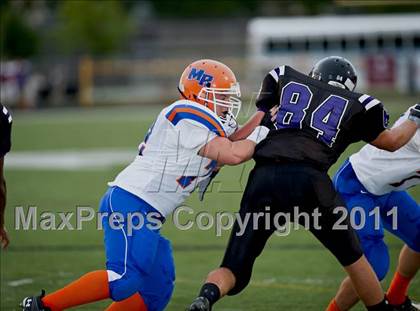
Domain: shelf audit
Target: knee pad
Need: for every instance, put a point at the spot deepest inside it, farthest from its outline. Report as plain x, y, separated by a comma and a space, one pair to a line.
123, 286
377, 254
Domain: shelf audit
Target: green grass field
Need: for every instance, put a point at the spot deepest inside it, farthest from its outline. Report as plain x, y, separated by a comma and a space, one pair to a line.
294, 272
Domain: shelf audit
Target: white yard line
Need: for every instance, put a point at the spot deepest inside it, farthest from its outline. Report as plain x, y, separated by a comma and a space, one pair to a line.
20, 282
69, 159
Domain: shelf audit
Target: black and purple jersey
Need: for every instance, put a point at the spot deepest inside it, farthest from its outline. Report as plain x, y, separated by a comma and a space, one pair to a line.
5, 130
316, 121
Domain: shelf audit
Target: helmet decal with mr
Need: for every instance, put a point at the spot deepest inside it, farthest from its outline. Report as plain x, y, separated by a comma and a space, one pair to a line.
336, 71
212, 84
200, 76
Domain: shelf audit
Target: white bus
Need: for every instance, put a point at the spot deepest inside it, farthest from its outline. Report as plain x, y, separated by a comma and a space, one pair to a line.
384, 48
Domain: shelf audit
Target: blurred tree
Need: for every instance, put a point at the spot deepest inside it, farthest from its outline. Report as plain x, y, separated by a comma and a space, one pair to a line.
239, 8
93, 27
17, 39
316, 7
249, 8
377, 7
199, 9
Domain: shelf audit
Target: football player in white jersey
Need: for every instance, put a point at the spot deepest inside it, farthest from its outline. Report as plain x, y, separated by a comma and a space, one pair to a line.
188, 140
376, 181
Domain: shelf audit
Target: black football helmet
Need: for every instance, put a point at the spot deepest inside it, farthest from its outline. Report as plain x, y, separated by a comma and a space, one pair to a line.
335, 70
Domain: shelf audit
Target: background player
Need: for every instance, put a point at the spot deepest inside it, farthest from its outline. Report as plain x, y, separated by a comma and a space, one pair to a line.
318, 117
374, 178
181, 149
5, 144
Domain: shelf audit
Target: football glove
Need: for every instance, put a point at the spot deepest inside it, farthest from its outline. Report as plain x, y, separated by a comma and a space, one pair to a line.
415, 114
204, 184
259, 134
230, 124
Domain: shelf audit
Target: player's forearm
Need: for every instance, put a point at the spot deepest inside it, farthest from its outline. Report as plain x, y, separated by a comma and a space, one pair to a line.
2, 193
401, 134
241, 151
226, 152
245, 130
2, 200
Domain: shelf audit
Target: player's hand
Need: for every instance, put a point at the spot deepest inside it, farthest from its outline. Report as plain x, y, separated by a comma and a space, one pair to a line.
259, 134
231, 125
204, 184
4, 237
270, 118
415, 114
273, 113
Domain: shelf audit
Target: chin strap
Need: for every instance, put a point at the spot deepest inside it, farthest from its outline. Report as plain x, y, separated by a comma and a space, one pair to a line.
182, 94
337, 84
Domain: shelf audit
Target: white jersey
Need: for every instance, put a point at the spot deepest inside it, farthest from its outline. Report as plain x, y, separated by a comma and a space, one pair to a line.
168, 167
382, 171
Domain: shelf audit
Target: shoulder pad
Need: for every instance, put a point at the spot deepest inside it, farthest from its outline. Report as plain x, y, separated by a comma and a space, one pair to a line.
191, 112
277, 72
368, 101
6, 114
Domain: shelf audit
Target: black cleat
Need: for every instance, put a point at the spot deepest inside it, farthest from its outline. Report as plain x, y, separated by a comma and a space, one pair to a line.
200, 304
408, 305
34, 303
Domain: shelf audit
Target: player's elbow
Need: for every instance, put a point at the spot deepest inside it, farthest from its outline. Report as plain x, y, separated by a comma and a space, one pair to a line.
233, 160
388, 141
393, 143
391, 147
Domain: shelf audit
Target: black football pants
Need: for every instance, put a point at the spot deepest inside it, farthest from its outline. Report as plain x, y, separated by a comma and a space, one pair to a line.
282, 188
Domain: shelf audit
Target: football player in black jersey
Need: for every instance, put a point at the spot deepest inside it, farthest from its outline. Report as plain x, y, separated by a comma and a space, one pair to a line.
318, 117
5, 131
